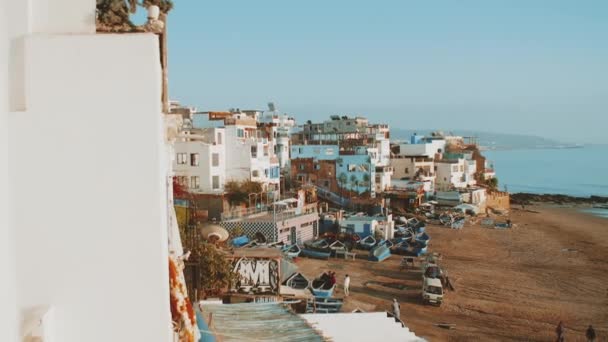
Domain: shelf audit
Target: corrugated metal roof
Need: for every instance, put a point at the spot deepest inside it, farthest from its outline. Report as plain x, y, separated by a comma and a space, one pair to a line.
257, 322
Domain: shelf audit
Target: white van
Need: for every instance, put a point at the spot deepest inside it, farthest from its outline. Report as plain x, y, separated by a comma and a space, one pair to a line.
432, 291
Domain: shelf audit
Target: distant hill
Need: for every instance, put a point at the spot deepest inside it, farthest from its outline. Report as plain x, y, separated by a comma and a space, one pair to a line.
491, 141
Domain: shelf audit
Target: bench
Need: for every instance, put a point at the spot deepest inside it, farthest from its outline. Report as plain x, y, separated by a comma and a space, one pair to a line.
346, 254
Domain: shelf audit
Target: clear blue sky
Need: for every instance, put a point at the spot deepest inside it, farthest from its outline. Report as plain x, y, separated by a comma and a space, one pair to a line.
528, 66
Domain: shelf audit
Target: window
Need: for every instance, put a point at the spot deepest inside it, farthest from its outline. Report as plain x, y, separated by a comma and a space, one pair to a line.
461, 168
455, 168
215, 182
302, 167
326, 183
300, 150
435, 167
407, 170
266, 151
215, 159
182, 158
219, 138
255, 173
194, 159
266, 172
240, 133
317, 167
254, 151
195, 182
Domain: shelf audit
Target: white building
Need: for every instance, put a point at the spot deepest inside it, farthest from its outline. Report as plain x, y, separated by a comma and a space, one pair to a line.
245, 151
83, 212
458, 173
282, 127
364, 225
200, 160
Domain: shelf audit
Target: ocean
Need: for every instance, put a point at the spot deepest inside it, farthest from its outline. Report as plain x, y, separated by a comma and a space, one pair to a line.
569, 171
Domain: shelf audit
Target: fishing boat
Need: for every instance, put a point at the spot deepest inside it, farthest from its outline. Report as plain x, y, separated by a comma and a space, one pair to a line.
400, 248
368, 242
298, 281
423, 238
337, 246
458, 224
240, 241
379, 253
322, 287
315, 254
292, 251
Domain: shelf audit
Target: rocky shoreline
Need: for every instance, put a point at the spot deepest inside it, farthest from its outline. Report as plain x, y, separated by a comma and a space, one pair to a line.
527, 198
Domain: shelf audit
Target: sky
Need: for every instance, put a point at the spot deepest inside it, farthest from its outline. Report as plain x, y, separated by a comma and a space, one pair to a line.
529, 67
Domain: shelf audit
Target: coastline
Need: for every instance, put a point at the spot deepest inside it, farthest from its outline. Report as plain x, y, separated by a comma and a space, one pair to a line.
510, 285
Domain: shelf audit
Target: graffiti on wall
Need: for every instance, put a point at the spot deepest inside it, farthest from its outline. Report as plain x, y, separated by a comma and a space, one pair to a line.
257, 275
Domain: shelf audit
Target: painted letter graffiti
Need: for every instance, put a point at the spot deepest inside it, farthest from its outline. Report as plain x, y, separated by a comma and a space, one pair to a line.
257, 275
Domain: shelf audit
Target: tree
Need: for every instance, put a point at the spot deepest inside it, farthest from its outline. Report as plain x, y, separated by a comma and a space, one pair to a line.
354, 181
342, 179
215, 269
366, 179
492, 183
114, 15
238, 192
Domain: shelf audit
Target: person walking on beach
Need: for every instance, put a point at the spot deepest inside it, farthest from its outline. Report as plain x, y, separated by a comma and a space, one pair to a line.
590, 334
396, 309
560, 331
346, 285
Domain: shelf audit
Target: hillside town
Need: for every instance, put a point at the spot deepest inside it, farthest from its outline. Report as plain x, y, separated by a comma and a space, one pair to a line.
125, 216
278, 199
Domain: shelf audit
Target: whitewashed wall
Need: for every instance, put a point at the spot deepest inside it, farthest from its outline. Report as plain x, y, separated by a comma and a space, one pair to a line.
88, 176
8, 306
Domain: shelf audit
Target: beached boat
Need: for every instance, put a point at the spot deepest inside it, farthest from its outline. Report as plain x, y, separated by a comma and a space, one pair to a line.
292, 251
298, 281
423, 238
400, 248
322, 287
379, 253
337, 246
240, 241
368, 242
458, 224
315, 254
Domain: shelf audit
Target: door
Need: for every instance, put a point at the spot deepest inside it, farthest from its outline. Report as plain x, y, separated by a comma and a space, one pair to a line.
292, 236
367, 230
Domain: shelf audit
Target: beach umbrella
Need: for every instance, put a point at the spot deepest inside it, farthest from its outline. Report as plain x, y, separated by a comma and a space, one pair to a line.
214, 230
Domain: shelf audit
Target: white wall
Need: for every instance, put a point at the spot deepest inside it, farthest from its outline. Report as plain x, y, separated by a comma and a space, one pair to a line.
205, 170
8, 290
90, 204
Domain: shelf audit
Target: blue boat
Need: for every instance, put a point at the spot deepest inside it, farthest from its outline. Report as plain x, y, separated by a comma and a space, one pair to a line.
292, 251
400, 248
379, 253
315, 254
368, 243
240, 241
423, 238
322, 287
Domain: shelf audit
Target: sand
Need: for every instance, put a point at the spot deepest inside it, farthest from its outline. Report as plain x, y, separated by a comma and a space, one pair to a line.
514, 284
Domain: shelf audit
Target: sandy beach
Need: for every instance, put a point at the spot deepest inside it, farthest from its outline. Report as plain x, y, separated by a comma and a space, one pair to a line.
514, 284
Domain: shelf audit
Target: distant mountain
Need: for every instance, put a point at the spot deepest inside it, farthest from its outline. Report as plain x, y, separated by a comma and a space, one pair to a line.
487, 140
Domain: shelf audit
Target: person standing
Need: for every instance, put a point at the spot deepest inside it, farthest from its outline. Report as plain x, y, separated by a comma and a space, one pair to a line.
560, 331
396, 309
346, 286
590, 334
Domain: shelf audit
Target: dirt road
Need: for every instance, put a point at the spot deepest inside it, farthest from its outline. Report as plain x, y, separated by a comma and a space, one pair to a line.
512, 284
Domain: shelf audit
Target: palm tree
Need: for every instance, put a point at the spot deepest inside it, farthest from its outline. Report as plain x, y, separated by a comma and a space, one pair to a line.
354, 181
366, 179
342, 179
